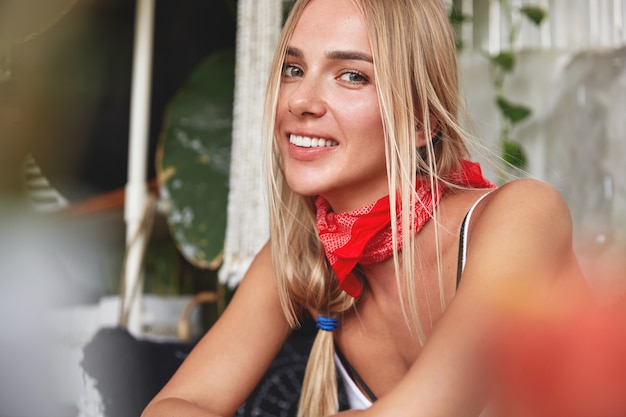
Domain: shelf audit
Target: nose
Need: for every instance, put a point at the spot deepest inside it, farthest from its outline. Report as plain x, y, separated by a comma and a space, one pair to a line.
306, 98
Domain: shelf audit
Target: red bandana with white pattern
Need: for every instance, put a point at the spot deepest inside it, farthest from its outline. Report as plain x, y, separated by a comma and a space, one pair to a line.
364, 236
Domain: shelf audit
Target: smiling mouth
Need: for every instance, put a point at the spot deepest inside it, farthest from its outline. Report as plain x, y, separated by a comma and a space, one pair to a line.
307, 142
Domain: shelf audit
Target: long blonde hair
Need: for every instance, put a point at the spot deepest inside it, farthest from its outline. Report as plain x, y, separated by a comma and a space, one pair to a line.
417, 83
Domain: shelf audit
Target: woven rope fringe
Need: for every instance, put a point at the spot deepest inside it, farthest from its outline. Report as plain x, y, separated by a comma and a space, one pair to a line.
247, 228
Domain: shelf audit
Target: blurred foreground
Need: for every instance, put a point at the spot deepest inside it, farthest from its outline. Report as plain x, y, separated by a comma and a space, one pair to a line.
564, 355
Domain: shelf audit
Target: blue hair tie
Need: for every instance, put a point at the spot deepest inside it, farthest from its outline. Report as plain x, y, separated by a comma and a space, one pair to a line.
327, 323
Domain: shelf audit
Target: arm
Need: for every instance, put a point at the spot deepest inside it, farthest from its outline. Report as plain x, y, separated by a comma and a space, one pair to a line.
520, 248
231, 358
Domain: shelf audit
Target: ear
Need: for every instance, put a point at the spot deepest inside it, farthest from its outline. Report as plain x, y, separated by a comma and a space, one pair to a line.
420, 137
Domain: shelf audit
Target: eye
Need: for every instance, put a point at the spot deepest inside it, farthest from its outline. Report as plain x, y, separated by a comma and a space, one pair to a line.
292, 71
354, 77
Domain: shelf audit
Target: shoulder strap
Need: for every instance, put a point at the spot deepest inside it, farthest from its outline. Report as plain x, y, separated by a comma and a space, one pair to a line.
463, 239
355, 375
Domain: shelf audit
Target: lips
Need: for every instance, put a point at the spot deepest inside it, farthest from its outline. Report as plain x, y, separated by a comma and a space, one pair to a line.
310, 142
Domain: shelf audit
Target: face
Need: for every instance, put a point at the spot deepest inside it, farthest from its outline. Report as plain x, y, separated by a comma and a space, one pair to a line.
328, 122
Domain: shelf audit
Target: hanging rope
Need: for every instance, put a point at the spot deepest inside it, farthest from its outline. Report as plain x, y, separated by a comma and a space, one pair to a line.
247, 228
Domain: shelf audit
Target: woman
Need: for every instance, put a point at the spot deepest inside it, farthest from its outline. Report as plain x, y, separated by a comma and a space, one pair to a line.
362, 96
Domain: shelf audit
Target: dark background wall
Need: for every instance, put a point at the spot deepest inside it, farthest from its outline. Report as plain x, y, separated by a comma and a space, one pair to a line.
70, 87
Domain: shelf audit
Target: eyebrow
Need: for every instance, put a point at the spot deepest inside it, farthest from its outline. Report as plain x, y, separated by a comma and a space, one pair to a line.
335, 55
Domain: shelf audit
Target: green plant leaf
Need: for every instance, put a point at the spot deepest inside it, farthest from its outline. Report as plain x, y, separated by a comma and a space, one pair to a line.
536, 14
193, 160
457, 17
514, 154
504, 60
513, 112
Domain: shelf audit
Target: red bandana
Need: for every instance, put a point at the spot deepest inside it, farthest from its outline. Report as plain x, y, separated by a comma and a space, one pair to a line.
364, 236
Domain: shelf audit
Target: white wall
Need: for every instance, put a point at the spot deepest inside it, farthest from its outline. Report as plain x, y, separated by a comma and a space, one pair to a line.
572, 73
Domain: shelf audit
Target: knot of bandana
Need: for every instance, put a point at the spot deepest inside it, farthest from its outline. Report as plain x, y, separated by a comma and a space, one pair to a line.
363, 236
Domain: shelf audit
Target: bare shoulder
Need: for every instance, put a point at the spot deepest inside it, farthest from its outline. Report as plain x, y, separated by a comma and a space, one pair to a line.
527, 196
526, 206
521, 230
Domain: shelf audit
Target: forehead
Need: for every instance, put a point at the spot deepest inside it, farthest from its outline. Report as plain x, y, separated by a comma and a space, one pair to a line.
332, 24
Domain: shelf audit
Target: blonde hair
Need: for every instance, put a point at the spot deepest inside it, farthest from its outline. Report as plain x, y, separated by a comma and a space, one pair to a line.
416, 76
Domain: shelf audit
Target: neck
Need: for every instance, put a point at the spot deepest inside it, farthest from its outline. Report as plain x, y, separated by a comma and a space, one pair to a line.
380, 278
345, 204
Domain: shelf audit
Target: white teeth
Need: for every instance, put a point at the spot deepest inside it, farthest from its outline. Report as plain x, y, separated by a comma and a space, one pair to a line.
307, 142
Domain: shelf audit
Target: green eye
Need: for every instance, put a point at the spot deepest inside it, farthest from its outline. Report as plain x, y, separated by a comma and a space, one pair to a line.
354, 77
292, 71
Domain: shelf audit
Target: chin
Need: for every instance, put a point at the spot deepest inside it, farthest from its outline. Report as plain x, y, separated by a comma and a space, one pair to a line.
303, 189
304, 182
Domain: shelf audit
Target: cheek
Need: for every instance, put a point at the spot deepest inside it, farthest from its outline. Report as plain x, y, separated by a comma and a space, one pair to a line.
280, 115
366, 120
281, 102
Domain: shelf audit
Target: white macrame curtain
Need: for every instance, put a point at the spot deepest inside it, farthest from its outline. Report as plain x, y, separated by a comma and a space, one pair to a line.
247, 229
